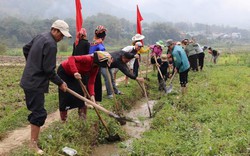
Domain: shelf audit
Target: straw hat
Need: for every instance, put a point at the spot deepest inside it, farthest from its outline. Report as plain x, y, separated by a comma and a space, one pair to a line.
138, 37
164, 58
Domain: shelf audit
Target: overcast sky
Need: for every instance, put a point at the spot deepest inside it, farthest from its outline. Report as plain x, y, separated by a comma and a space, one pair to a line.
219, 12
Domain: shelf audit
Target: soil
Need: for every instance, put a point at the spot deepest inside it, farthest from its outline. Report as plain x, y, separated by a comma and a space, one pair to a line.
19, 136
20, 60
134, 130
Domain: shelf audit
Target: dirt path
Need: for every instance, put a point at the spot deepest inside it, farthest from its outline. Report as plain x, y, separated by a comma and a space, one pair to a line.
19, 136
20, 60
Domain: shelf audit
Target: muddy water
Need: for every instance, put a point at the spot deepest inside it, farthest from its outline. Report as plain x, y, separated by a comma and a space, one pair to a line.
134, 130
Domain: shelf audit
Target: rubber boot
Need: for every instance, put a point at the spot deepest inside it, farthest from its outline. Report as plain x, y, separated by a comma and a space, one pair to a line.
35, 130
64, 115
82, 112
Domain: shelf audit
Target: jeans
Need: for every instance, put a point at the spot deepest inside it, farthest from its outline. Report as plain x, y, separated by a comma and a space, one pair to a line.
106, 79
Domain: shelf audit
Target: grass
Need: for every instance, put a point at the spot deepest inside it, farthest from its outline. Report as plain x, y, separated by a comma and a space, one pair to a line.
83, 135
212, 119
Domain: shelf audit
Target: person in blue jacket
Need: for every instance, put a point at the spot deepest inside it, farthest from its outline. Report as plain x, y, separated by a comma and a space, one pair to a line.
181, 63
97, 45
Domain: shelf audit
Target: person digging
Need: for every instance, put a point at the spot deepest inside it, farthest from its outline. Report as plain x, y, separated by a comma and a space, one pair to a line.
181, 63
40, 55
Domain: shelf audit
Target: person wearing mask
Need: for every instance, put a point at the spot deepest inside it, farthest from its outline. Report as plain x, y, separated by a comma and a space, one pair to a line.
40, 54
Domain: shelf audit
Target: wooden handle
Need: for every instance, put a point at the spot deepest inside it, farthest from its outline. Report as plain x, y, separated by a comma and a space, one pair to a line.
84, 89
158, 67
89, 101
172, 78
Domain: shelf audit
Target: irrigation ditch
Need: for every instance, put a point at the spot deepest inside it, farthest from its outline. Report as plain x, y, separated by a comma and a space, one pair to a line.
139, 111
134, 130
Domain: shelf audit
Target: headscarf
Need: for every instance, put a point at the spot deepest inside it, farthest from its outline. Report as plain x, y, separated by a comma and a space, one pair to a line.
102, 58
79, 34
100, 31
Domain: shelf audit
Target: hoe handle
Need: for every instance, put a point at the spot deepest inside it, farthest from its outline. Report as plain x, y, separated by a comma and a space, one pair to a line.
84, 89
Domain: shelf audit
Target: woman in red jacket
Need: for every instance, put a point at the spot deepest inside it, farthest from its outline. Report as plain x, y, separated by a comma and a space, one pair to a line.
71, 70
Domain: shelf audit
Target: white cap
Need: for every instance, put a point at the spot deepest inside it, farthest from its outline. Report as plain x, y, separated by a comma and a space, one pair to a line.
138, 44
62, 26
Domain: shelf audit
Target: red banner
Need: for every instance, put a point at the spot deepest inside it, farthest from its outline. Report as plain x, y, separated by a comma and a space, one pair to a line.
79, 20
139, 19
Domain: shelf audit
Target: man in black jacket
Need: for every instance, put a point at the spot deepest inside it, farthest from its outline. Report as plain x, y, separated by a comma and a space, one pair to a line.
40, 55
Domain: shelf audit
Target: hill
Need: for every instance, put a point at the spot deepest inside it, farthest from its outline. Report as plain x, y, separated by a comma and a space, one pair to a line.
65, 9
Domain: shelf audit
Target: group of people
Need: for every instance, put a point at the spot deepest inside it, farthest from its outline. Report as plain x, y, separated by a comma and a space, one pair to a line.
87, 63
90, 61
180, 57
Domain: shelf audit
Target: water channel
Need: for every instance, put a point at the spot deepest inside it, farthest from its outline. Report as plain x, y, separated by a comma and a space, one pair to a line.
134, 130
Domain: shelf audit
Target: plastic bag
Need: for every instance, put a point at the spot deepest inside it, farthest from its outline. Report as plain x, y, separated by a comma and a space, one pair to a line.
69, 151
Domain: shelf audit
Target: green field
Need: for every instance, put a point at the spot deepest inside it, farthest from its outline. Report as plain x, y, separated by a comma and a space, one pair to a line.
212, 119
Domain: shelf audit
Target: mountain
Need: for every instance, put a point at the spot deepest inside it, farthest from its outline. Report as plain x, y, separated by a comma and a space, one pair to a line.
47, 9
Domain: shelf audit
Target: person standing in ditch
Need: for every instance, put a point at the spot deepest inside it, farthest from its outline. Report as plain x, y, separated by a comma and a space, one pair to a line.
181, 63
40, 54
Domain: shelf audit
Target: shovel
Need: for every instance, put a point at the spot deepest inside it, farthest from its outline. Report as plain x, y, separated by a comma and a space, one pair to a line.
113, 92
110, 138
146, 78
170, 88
162, 83
145, 93
120, 119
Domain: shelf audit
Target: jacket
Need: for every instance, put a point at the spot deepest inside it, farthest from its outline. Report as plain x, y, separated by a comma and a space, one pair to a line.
40, 55
180, 59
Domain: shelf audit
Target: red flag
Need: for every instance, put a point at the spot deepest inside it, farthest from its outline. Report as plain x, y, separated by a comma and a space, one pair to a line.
79, 19
139, 19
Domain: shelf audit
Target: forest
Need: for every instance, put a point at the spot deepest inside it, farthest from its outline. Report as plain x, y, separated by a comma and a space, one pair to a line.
14, 32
